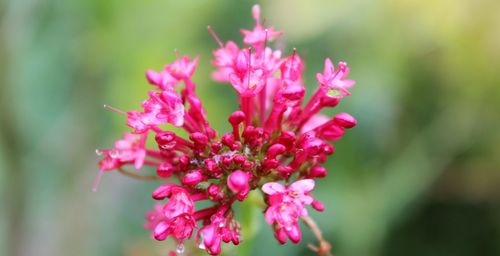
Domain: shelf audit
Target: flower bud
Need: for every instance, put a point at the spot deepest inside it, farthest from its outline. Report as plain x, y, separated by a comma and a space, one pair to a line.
275, 150
213, 190
165, 170
227, 139
193, 178
345, 120
160, 232
318, 172
236, 118
239, 159
280, 235
287, 138
238, 181
183, 162
294, 234
165, 140
199, 138
211, 165
163, 191
318, 206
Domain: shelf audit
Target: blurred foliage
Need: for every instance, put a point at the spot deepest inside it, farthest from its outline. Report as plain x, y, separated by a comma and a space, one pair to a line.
419, 175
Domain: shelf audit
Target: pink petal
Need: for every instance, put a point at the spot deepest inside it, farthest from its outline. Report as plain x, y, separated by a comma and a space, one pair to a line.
269, 215
306, 199
97, 180
314, 121
302, 186
160, 231
153, 77
256, 13
272, 188
329, 68
294, 233
139, 159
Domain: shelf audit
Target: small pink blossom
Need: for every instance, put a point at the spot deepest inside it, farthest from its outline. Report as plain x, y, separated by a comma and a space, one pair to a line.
292, 68
130, 149
297, 192
286, 216
286, 205
259, 34
182, 68
179, 203
334, 81
225, 56
162, 79
250, 83
161, 108
176, 217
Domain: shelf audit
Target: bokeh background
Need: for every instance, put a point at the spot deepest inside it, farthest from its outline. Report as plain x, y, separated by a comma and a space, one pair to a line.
419, 175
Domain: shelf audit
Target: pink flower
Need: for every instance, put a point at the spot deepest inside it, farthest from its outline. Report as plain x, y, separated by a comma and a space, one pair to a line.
167, 107
286, 206
286, 216
292, 67
161, 108
162, 79
249, 84
334, 81
211, 238
182, 68
225, 56
180, 227
259, 34
274, 137
179, 203
270, 61
130, 149
297, 192
221, 229
177, 215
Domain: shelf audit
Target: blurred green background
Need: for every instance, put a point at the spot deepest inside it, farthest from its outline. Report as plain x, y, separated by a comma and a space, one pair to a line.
419, 175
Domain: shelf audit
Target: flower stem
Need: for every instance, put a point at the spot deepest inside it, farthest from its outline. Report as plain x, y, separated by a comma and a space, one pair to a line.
137, 176
324, 248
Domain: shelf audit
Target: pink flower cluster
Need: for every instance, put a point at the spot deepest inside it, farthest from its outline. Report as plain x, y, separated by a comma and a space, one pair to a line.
275, 137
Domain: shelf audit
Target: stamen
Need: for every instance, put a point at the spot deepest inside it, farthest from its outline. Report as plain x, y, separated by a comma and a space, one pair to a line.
214, 35
177, 54
293, 59
265, 40
97, 180
119, 111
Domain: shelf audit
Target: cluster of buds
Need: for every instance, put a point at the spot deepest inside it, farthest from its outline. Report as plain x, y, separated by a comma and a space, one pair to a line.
275, 138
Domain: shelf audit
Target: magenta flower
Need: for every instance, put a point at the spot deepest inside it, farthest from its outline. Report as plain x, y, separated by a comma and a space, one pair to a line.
259, 34
297, 192
276, 137
129, 150
182, 68
334, 81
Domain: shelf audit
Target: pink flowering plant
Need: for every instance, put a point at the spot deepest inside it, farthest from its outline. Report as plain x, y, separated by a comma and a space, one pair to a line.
277, 144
